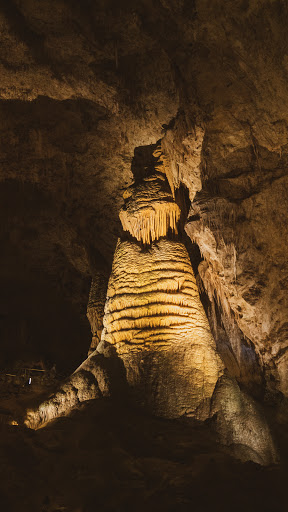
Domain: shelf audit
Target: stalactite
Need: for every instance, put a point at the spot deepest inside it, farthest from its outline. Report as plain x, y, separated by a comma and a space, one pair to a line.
151, 223
153, 309
150, 211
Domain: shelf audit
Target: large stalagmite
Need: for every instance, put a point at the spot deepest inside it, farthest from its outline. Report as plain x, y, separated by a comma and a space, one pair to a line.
156, 345
153, 314
155, 320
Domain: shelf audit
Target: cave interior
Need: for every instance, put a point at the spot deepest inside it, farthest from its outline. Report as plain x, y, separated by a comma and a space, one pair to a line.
143, 263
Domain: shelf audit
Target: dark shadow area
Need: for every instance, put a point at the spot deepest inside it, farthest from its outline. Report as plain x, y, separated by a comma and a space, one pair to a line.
43, 291
40, 328
143, 162
183, 201
112, 458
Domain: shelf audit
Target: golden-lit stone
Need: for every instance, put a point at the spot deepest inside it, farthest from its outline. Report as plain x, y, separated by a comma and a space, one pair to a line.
149, 211
155, 320
156, 343
90, 381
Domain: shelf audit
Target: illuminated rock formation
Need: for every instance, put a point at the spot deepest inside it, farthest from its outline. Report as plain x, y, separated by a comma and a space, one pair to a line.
99, 376
155, 320
241, 424
150, 209
156, 345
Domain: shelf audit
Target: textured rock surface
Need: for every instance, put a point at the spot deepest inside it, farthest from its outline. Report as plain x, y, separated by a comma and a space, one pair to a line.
157, 348
245, 269
155, 320
97, 377
241, 424
149, 210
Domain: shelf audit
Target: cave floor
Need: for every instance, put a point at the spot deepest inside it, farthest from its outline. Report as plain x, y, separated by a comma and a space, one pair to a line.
107, 457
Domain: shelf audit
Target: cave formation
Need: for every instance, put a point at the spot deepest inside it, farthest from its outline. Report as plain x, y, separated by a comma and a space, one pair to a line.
156, 324
143, 191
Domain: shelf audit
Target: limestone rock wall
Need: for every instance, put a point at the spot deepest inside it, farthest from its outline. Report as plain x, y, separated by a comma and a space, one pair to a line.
245, 269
